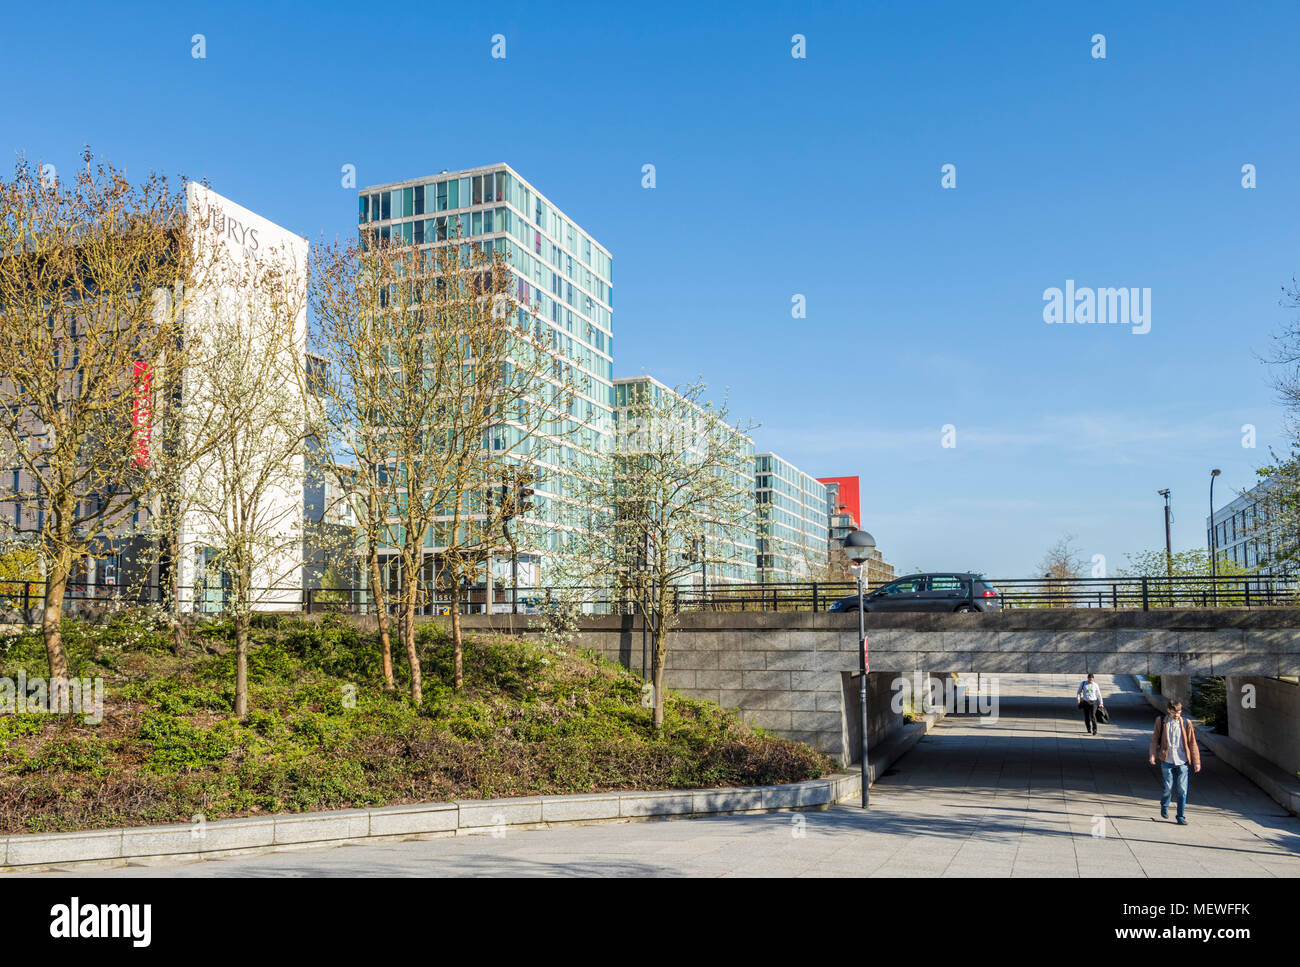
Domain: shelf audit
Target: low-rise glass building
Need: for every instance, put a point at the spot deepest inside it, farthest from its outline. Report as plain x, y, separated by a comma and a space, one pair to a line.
792, 521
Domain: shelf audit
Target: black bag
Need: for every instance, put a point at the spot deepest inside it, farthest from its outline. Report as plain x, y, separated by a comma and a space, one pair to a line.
1103, 716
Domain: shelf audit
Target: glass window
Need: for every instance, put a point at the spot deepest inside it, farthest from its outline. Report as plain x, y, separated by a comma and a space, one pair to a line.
477, 224
363, 208
453, 193
387, 210
419, 200
478, 189
419, 232
408, 204
442, 196
464, 192
487, 221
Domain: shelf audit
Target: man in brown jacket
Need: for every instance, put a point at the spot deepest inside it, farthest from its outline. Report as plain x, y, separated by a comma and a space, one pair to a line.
1173, 742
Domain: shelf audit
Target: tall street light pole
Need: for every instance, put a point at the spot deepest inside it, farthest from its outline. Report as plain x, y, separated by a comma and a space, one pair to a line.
1214, 544
858, 547
1169, 549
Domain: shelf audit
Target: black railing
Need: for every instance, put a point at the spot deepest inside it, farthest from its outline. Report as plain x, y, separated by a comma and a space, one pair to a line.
1236, 591
1146, 593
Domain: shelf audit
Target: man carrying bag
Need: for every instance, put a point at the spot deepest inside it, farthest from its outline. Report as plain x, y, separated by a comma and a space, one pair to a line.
1088, 698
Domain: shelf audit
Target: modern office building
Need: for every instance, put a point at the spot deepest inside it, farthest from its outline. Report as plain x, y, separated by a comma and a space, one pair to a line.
562, 274
1247, 531
792, 521
730, 553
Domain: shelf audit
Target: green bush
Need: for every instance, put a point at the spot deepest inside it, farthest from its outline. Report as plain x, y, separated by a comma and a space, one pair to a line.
1210, 703
177, 746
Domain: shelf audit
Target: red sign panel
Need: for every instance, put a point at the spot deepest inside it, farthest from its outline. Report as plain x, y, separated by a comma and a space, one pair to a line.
142, 414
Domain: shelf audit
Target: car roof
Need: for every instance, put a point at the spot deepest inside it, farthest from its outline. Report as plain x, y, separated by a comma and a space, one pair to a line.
945, 574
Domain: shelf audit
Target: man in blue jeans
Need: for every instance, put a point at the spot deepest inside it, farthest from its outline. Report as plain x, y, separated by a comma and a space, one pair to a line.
1173, 743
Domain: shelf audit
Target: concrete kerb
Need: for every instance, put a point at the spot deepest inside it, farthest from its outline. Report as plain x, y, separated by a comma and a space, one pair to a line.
245, 836
1282, 787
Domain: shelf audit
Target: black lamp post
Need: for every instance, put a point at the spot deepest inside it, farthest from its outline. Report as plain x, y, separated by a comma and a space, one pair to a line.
858, 547
1169, 549
1214, 545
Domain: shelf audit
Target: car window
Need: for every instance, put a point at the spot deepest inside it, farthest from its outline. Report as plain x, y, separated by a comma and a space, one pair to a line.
947, 582
910, 586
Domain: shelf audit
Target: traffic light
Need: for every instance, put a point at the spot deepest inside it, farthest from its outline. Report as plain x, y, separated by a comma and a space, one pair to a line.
515, 494
523, 496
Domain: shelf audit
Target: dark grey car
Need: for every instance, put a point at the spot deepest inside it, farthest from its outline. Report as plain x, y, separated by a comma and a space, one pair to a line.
941, 591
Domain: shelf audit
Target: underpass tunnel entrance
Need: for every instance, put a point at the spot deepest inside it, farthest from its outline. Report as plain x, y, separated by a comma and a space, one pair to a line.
1025, 732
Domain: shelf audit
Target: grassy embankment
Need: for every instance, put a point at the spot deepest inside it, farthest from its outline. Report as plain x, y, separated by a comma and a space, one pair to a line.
322, 734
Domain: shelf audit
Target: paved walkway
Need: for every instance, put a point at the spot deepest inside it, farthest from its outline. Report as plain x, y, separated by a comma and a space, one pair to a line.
1025, 796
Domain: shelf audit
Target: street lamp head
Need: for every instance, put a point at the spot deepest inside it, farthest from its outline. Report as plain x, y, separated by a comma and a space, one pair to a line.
1163, 493
858, 546
1215, 473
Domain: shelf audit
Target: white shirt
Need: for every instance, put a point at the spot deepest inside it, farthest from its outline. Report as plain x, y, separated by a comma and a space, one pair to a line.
1174, 735
1089, 692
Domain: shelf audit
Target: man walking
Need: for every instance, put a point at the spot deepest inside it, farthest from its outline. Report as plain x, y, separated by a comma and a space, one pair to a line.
1173, 742
1088, 698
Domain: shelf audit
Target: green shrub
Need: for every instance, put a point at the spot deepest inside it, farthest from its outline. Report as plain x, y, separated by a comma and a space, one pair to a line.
177, 746
1210, 703
68, 755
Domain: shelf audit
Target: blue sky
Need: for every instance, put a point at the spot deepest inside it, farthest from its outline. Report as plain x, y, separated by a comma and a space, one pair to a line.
820, 176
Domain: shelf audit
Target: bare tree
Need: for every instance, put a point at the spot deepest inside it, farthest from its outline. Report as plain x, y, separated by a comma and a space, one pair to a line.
680, 472
1060, 565
503, 414
1279, 511
362, 399
93, 282
239, 509
444, 389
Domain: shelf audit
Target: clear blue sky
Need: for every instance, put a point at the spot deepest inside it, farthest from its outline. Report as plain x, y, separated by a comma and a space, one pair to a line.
821, 177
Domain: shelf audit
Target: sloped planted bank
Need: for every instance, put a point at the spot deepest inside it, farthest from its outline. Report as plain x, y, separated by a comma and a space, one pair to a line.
533, 720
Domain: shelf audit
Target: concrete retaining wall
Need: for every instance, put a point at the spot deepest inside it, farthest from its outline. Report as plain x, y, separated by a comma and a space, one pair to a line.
1271, 728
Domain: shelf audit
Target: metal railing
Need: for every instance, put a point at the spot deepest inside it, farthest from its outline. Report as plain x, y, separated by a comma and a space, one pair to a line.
1146, 593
